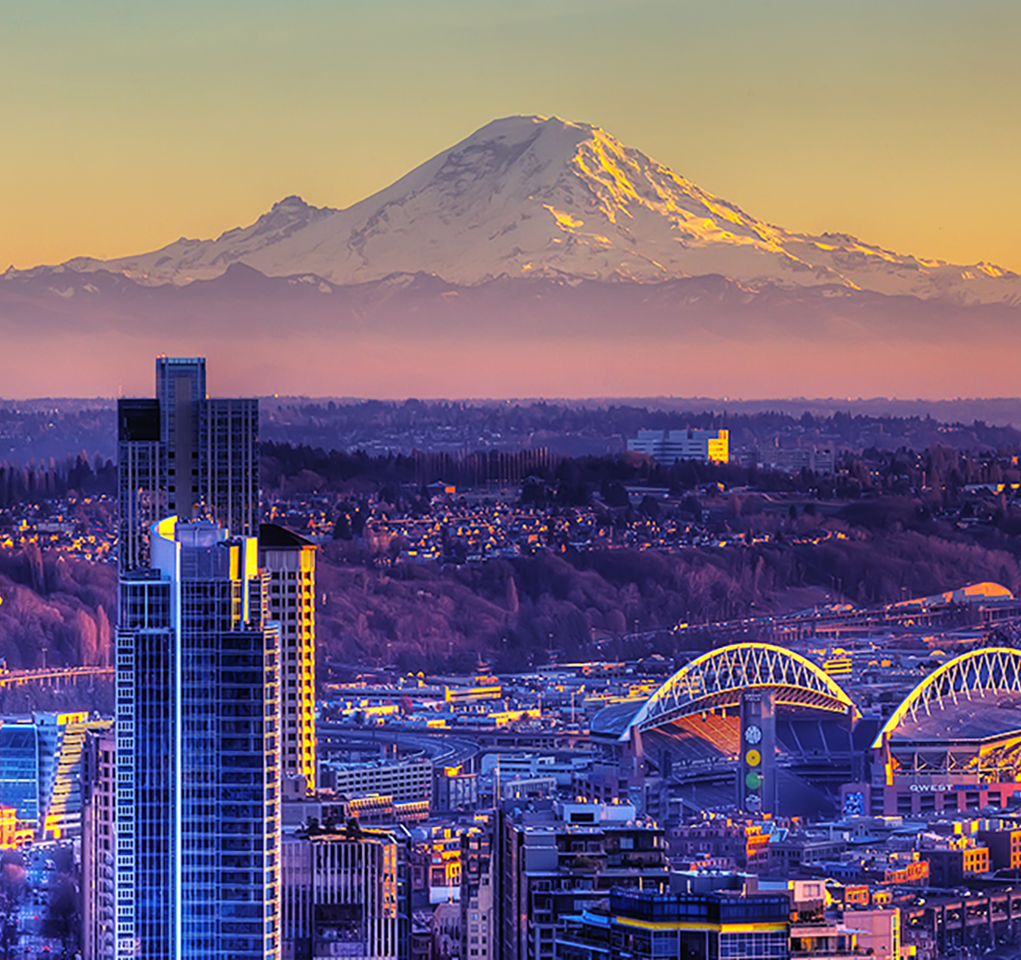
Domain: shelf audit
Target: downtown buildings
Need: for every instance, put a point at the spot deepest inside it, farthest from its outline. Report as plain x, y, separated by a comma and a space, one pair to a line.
200, 738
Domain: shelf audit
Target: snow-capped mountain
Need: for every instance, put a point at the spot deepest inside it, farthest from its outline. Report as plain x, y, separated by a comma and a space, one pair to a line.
537, 197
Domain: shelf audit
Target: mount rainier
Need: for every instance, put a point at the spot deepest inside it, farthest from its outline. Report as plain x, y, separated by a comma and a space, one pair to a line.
538, 197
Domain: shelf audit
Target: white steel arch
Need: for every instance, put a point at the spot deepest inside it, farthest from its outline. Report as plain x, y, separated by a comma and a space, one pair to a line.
987, 670
716, 679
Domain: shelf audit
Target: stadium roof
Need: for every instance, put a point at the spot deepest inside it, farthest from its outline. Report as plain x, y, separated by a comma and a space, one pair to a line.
989, 716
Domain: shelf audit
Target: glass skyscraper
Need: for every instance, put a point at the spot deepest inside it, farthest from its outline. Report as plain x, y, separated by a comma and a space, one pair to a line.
184, 454
198, 763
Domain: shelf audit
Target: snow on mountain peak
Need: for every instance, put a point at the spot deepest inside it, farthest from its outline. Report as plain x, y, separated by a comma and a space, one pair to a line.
541, 196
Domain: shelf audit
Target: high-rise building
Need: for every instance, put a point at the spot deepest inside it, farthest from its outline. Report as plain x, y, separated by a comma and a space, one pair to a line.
141, 497
556, 860
181, 394
198, 768
290, 561
185, 455
40, 770
229, 464
99, 794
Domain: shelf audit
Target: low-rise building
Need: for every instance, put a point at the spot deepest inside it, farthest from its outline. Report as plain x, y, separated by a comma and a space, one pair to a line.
668, 446
404, 780
644, 924
345, 893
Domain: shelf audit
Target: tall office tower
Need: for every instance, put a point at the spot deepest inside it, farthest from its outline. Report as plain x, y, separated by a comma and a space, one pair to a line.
40, 770
98, 847
186, 455
198, 768
290, 561
181, 393
141, 500
229, 464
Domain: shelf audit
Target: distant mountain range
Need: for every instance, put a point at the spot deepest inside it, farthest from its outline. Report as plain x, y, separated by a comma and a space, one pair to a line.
537, 197
530, 231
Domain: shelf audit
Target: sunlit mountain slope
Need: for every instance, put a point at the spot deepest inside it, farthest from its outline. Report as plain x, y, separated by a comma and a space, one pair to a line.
537, 197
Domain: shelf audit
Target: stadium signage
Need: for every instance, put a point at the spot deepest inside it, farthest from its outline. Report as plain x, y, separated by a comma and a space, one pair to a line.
942, 787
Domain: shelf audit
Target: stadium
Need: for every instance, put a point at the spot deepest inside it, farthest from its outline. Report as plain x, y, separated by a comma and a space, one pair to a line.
954, 742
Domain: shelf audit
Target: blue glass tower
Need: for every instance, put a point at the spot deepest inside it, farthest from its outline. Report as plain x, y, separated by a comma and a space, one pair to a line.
198, 765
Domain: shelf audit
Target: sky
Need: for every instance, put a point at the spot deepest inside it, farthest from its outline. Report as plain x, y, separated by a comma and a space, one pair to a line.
129, 123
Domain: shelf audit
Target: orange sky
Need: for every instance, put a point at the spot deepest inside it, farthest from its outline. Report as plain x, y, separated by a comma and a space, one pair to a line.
128, 125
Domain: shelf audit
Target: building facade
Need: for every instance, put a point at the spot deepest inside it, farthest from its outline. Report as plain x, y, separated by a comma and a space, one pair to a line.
187, 455
479, 876
98, 856
198, 767
555, 863
344, 894
642, 925
405, 780
290, 561
40, 771
669, 446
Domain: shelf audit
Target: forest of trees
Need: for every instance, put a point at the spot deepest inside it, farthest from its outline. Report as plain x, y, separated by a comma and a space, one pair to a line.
55, 611
35, 483
908, 526
411, 424
584, 604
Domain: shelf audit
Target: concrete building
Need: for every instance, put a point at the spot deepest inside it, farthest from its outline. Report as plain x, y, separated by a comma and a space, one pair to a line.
669, 446
566, 857
99, 941
345, 894
479, 874
290, 561
796, 459
1003, 838
197, 761
879, 933
404, 780
954, 859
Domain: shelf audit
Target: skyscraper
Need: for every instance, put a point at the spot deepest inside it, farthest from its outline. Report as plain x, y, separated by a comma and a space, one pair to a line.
228, 488
141, 495
185, 455
181, 394
198, 766
290, 561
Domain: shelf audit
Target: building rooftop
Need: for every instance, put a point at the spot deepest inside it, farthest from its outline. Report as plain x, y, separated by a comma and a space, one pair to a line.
273, 535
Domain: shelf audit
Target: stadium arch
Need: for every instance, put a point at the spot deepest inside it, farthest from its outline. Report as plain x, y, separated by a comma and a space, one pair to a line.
716, 680
986, 670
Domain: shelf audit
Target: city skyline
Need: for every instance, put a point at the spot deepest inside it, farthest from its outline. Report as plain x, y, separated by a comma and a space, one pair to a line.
616, 671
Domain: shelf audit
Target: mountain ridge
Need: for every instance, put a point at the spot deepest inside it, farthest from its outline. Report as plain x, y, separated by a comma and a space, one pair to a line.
534, 196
